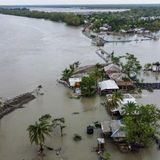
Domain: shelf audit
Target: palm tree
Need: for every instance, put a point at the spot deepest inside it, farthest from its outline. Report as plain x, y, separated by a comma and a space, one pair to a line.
38, 133
97, 72
130, 109
59, 122
66, 74
43, 128
77, 64
112, 101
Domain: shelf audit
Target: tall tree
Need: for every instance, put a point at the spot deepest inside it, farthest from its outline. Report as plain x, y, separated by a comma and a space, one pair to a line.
141, 123
131, 65
43, 128
88, 86
97, 72
38, 133
68, 72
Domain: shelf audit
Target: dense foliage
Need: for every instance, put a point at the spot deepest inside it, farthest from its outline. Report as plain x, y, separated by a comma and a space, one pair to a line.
68, 18
88, 86
128, 62
132, 65
141, 123
147, 18
68, 72
113, 100
117, 20
43, 128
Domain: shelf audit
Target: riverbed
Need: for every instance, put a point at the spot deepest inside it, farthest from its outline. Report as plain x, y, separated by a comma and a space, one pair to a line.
34, 52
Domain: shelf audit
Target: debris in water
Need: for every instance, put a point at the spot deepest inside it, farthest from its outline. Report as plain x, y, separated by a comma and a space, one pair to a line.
77, 137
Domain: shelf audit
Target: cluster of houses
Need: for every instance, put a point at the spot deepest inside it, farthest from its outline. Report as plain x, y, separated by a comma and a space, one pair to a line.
115, 129
155, 67
117, 80
135, 30
150, 18
105, 28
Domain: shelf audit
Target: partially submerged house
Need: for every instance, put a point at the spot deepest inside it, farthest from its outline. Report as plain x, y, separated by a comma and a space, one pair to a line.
127, 98
107, 86
122, 80
112, 68
105, 28
115, 129
73, 82
156, 67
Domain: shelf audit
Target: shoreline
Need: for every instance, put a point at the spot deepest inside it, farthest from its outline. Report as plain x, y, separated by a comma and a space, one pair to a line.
15, 103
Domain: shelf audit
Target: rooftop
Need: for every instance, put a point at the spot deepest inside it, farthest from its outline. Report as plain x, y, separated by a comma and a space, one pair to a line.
108, 85
112, 68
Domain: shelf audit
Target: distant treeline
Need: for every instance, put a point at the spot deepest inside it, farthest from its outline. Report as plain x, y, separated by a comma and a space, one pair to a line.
69, 18
148, 18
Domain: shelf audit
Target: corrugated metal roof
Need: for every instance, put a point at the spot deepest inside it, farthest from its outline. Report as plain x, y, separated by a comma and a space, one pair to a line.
107, 85
117, 129
105, 127
112, 67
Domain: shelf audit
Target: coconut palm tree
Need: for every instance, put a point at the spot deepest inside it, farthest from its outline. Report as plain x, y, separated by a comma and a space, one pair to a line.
130, 109
43, 128
77, 64
112, 101
66, 74
38, 133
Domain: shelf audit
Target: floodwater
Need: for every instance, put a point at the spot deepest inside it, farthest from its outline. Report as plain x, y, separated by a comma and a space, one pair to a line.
34, 52
75, 10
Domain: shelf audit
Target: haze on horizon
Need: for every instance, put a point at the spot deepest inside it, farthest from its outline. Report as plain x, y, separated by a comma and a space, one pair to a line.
56, 2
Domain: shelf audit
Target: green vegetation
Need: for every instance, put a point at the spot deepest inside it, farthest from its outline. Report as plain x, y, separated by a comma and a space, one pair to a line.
106, 156
88, 86
112, 101
147, 18
68, 72
129, 65
132, 65
141, 123
97, 73
128, 20
43, 128
68, 18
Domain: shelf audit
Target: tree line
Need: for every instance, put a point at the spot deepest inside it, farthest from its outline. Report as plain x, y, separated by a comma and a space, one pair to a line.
128, 19
69, 18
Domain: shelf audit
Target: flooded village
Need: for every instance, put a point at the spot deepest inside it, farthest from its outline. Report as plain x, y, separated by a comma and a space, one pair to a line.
97, 94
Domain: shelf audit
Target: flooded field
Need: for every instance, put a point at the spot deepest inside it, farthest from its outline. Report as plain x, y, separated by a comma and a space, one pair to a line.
34, 52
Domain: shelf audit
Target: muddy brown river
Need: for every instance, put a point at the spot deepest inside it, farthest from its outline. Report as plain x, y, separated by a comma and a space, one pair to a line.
34, 52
